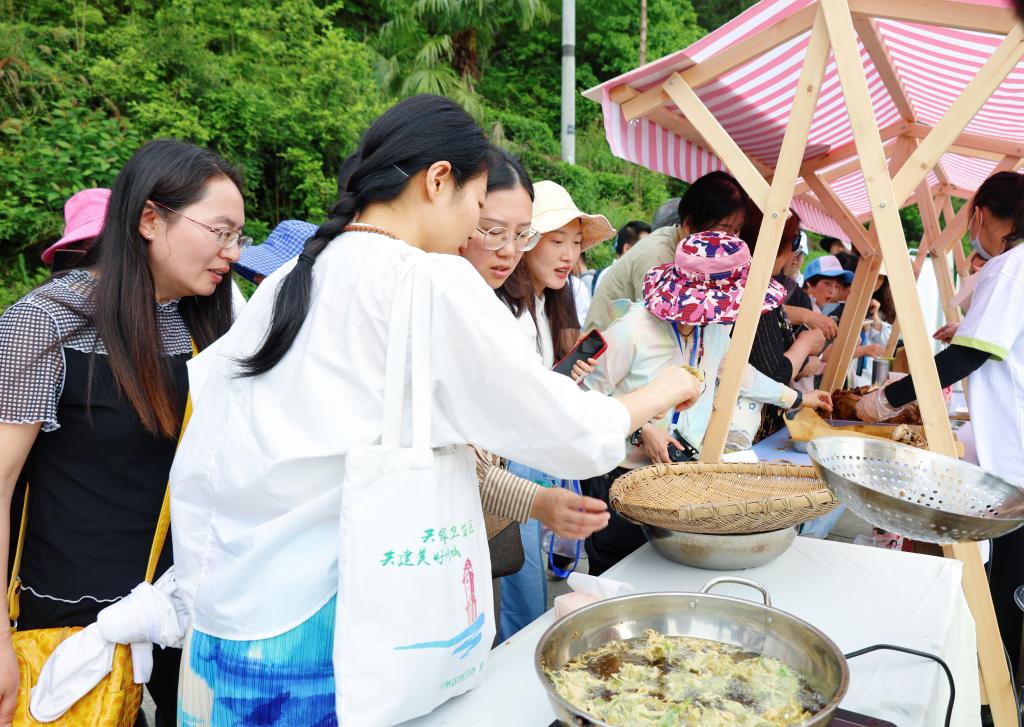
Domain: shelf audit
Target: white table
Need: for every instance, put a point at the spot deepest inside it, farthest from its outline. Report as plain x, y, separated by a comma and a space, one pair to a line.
858, 596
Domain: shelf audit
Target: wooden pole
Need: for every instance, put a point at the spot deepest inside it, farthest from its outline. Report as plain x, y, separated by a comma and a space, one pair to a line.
855, 311
958, 250
885, 214
776, 210
854, 314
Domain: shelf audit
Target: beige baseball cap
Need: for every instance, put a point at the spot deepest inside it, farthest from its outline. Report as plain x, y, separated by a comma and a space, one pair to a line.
553, 208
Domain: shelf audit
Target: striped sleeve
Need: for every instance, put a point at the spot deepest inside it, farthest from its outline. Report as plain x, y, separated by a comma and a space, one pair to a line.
502, 493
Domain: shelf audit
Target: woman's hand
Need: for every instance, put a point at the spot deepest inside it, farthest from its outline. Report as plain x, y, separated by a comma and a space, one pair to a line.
814, 339
871, 350
946, 333
654, 443
567, 514
679, 387
8, 680
813, 367
818, 399
583, 369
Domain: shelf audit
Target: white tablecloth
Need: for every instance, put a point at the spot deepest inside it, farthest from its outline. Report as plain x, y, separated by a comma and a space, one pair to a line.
858, 596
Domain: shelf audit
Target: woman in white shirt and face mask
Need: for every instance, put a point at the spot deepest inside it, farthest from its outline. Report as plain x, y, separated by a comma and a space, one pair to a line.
298, 382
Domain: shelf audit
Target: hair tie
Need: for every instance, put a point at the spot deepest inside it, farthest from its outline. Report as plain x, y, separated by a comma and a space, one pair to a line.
305, 257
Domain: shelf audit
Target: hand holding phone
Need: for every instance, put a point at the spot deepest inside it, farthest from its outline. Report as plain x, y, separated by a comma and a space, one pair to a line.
591, 346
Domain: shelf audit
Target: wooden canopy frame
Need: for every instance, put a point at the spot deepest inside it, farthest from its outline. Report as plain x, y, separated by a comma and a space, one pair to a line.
895, 162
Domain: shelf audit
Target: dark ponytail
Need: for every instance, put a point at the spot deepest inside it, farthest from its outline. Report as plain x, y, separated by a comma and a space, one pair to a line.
1002, 194
406, 139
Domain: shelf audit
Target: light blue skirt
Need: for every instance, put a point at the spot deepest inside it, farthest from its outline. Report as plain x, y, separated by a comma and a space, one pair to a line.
284, 680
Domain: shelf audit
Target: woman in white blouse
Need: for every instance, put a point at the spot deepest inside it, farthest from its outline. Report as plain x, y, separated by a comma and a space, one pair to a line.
298, 381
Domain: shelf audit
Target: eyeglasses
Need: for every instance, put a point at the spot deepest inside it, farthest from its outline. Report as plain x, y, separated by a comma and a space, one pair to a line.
226, 238
497, 237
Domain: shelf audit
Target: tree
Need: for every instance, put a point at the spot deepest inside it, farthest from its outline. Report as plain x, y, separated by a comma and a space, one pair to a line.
440, 46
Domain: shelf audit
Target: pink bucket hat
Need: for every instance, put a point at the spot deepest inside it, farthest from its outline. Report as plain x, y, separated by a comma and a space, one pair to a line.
84, 215
705, 283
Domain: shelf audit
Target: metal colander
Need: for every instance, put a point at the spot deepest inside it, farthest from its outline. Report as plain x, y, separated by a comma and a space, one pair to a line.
916, 493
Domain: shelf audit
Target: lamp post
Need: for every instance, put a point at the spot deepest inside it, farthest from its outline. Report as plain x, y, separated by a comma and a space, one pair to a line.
569, 81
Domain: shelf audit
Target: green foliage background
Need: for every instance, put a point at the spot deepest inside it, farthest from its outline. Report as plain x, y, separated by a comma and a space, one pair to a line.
283, 88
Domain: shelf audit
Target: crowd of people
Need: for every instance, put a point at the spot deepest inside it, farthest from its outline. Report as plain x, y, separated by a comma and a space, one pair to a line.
96, 371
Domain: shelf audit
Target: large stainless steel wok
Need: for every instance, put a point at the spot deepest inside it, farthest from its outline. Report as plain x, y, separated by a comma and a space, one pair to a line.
752, 626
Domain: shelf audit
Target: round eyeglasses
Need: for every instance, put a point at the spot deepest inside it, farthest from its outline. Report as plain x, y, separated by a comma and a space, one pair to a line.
497, 237
226, 238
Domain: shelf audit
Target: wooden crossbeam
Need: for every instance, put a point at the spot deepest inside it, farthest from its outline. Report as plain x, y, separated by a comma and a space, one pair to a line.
718, 139
886, 218
777, 202
677, 124
859, 237
943, 13
870, 36
852, 164
959, 259
960, 113
745, 50
722, 62
848, 150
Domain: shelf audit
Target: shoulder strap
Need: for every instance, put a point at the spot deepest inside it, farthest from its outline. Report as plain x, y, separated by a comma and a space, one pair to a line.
163, 523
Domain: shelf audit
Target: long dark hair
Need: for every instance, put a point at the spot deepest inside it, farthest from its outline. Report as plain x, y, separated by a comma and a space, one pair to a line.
175, 174
711, 198
886, 306
1003, 195
559, 307
404, 140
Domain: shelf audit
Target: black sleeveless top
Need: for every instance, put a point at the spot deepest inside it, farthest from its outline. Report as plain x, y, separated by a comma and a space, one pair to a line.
97, 476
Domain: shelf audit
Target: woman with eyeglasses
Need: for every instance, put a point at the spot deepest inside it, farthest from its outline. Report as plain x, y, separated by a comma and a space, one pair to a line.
502, 236
94, 388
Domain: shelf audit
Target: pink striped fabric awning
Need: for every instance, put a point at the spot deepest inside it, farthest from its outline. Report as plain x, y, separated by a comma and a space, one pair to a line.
752, 102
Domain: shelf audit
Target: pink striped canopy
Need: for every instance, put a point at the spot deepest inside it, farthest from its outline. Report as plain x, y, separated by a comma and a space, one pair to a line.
753, 101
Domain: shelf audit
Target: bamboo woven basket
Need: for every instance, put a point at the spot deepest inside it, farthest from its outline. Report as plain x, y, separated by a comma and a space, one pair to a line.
722, 499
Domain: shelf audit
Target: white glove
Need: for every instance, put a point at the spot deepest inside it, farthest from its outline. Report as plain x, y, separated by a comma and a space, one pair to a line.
873, 407
150, 614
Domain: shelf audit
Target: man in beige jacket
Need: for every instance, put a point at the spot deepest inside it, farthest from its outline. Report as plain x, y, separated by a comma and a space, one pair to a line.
626, 278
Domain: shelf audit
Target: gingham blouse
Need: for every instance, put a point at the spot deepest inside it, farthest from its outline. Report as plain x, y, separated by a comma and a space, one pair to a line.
34, 333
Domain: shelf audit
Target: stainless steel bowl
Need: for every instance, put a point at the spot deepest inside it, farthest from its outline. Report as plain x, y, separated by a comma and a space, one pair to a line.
751, 626
916, 493
719, 552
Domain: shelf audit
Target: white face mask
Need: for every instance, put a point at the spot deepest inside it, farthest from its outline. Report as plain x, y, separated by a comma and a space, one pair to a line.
982, 252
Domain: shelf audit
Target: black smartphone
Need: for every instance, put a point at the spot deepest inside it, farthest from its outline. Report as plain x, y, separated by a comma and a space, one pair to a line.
590, 346
688, 453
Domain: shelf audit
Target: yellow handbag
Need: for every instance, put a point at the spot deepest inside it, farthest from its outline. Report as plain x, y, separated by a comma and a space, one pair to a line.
116, 700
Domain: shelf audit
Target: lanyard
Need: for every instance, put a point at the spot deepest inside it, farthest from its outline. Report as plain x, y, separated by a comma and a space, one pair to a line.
698, 347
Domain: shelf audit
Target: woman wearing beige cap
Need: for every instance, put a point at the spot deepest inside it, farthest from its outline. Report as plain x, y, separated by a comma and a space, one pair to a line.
538, 291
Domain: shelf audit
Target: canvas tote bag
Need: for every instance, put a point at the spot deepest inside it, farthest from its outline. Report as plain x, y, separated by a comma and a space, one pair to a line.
415, 613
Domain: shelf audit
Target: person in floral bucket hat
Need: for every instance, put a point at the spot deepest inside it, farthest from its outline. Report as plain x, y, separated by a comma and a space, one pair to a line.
705, 282
684, 320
